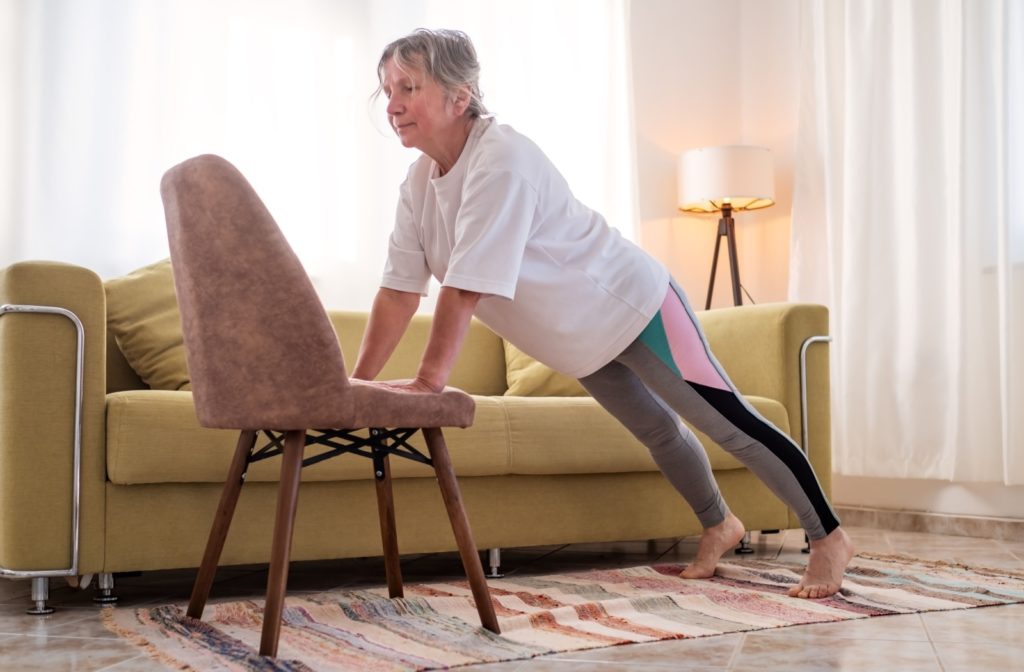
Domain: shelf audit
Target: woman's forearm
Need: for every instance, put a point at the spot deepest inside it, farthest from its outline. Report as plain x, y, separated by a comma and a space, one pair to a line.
447, 332
391, 313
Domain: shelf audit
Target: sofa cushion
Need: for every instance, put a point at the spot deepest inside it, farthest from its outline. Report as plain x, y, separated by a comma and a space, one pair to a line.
142, 314
154, 437
576, 436
527, 377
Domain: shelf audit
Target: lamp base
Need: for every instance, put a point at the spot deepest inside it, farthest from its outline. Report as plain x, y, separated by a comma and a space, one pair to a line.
726, 228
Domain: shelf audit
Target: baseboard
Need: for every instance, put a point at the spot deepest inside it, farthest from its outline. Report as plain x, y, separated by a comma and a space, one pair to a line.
1006, 529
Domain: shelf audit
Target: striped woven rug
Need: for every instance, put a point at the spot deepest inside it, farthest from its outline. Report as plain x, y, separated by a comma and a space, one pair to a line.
436, 625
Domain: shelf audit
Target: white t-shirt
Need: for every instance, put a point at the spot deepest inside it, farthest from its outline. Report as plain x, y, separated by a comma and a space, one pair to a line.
558, 282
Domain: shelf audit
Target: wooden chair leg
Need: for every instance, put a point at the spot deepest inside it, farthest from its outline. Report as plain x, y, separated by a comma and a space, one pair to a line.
221, 523
388, 532
280, 552
460, 526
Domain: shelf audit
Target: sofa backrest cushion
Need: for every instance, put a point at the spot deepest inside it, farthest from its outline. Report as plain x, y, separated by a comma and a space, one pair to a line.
120, 374
480, 368
142, 315
526, 377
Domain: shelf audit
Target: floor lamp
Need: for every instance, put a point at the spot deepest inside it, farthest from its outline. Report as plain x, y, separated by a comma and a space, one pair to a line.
726, 180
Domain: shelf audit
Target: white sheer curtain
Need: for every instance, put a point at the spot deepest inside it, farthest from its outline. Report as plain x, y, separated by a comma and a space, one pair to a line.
99, 97
909, 157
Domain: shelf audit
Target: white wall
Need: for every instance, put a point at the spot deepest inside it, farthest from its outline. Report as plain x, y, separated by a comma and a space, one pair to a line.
990, 500
715, 73
726, 72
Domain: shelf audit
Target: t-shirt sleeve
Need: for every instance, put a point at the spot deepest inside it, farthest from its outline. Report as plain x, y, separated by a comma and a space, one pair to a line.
491, 232
406, 269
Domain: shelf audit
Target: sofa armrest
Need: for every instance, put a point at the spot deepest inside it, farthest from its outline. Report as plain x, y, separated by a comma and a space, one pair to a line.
759, 347
38, 362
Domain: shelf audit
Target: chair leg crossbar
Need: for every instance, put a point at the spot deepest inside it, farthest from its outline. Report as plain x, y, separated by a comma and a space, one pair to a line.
378, 445
380, 442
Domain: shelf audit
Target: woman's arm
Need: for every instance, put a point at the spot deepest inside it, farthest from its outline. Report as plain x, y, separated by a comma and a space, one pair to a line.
391, 313
447, 332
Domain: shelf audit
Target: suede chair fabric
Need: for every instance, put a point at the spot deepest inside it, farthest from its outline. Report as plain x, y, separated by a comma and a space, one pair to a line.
233, 272
261, 350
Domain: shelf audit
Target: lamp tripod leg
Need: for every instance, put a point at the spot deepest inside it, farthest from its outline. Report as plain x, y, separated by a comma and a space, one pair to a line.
714, 267
734, 264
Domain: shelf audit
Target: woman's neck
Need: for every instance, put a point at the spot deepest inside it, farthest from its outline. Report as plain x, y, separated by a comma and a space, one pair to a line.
447, 152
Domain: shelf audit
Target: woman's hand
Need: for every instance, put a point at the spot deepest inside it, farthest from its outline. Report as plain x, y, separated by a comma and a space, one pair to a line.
416, 386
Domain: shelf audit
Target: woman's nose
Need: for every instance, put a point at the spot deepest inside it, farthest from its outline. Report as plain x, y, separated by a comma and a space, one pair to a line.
394, 107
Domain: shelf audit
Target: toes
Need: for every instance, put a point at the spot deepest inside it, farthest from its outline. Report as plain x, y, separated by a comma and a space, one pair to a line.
813, 592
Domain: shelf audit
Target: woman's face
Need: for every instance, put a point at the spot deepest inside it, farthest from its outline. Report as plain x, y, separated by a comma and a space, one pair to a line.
419, 110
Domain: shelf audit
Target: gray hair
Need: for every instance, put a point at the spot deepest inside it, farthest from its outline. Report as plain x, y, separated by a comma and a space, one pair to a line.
447, 56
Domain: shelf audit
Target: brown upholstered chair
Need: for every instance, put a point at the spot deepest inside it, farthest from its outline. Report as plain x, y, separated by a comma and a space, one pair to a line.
264, 357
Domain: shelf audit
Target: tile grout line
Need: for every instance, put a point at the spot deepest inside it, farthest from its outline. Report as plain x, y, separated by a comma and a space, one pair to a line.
931, 641
734, 658
142, 656
112, 638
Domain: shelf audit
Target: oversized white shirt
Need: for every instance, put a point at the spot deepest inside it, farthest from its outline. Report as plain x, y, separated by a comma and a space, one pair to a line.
558, 282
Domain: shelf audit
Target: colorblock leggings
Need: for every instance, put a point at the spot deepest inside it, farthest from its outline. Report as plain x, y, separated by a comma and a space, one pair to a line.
668, 372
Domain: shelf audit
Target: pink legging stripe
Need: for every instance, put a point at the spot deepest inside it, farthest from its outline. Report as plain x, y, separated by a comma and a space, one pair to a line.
688, 350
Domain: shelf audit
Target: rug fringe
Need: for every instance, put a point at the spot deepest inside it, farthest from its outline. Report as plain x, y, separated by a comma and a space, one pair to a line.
138, 639
910, 559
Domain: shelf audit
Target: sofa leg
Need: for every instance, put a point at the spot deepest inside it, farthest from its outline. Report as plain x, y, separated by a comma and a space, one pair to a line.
105, 588
40, 594
494, 560
744, 547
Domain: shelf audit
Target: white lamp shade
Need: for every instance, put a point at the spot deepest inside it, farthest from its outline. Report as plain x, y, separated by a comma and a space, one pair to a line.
741, 175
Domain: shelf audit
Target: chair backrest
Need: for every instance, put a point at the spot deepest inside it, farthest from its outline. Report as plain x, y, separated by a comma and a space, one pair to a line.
261, 351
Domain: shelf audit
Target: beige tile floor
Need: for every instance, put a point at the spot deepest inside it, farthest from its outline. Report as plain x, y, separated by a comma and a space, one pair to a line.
978, 639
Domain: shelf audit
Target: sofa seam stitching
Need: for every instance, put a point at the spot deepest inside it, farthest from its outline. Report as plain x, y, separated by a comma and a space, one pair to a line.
508, 438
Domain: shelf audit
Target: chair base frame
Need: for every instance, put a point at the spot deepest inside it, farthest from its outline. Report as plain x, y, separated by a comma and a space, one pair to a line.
378, 445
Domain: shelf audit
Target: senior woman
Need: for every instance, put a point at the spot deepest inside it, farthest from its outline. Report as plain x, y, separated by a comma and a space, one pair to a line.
486, 213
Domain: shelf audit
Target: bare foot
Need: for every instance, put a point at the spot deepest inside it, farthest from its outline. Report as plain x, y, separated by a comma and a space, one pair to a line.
825, 568
713, 543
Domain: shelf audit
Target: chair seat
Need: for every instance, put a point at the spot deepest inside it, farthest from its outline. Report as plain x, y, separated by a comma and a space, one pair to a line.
374, 404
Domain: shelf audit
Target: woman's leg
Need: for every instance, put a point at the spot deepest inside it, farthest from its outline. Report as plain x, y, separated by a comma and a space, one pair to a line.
673, 359
678, 454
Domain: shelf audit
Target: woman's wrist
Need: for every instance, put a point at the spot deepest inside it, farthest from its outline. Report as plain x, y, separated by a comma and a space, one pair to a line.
431, 382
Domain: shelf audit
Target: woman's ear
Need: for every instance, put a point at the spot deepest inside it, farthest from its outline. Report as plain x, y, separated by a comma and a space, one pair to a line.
460, 101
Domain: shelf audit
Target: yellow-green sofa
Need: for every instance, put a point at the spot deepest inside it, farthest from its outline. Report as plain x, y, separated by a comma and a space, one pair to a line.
533, 470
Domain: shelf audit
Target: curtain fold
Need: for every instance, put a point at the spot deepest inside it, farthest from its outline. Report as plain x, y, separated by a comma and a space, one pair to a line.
105, 95
908, 153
